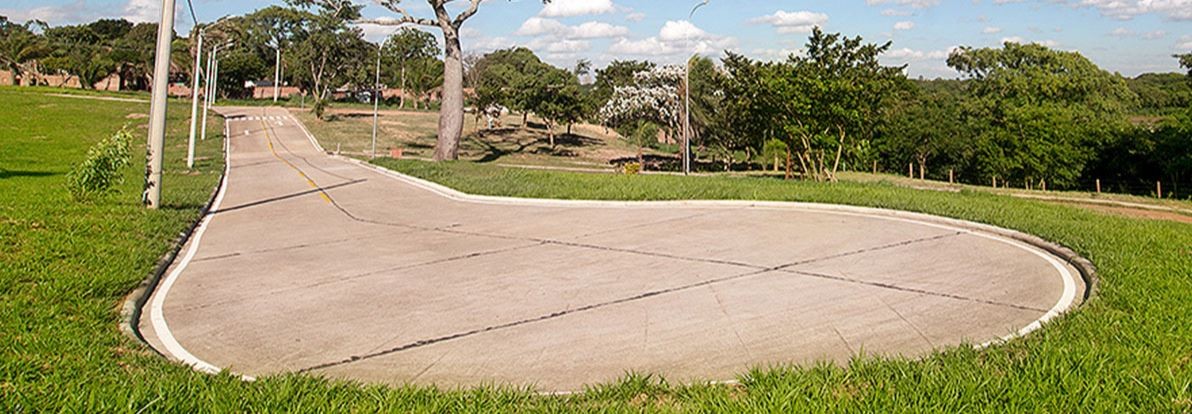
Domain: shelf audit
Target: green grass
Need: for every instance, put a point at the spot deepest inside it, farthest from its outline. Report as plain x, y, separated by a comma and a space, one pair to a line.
67, 266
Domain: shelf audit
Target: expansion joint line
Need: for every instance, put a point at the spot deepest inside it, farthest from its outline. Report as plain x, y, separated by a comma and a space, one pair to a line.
591, 307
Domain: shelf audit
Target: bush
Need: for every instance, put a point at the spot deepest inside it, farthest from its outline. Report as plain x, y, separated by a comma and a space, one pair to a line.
633, 168
100, 172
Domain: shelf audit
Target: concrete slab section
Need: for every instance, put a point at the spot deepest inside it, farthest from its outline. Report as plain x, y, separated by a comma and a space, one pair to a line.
316, 264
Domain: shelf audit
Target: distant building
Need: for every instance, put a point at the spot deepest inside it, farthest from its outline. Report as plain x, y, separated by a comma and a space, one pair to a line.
264, 90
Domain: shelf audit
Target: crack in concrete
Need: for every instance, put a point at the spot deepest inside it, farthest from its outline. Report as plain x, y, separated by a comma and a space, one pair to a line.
913, 290
634, 298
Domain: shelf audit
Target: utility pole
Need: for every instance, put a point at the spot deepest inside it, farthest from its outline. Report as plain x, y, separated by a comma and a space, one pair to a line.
277, 74
157, 109
194, 106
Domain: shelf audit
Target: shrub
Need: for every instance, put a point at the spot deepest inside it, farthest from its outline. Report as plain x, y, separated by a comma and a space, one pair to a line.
633, 168
97, 174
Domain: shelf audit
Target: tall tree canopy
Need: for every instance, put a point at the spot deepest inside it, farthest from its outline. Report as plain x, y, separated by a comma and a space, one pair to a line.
451, 113
20, 46
407, 49
1039, 114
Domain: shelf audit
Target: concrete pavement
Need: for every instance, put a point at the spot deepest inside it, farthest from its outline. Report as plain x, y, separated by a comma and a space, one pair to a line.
316, 264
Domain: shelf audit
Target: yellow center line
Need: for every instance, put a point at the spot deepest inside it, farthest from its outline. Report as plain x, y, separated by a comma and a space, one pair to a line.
269, 138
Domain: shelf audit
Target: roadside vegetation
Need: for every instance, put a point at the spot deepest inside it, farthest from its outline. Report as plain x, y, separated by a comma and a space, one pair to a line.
68, 265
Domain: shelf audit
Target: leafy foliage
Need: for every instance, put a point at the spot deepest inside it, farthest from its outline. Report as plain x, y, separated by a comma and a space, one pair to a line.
103, 168
1039, 115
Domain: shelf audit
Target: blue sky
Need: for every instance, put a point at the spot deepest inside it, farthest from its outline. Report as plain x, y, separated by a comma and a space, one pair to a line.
1127, 36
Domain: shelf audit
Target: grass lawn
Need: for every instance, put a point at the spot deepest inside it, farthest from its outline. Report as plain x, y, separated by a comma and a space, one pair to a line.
67, 266
590, 147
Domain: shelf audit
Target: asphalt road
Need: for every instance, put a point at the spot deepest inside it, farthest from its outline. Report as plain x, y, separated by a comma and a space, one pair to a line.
321, 265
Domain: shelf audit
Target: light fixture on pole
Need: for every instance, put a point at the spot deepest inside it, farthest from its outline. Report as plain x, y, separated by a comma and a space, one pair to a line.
277, 73
376, 97
194, 106
157, 109
207, 90
687, 93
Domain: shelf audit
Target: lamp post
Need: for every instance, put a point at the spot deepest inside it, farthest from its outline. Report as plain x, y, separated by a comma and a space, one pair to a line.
277, 73
376, 97
194, 105
687, 95
212, 83
157, 109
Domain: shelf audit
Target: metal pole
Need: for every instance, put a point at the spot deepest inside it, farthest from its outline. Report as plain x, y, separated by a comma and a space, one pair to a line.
376, 100
215, 83
277, 74
194, 106
207, 89
157, 110
687, 92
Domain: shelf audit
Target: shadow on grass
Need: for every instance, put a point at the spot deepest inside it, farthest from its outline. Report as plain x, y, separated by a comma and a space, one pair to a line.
16, 174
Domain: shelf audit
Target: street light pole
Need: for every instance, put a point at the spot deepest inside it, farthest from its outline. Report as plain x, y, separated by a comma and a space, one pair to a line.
687, 94
157, 109
207, 89
376, 97
194, 106
277, 73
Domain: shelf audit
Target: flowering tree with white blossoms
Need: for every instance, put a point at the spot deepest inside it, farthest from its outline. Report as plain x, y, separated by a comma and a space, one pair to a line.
654, 98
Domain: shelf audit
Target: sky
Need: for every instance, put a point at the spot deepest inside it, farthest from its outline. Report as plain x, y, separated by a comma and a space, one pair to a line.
1125, 36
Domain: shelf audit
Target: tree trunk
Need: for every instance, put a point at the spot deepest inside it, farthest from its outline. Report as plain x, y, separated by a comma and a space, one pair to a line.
550, 133
839, 151
789, 173
403, 85
451, 115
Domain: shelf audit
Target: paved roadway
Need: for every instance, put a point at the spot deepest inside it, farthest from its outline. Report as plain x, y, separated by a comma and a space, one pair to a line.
317, 264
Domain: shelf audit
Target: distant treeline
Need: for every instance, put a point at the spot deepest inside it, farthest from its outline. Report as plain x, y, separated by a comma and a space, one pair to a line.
1024, 115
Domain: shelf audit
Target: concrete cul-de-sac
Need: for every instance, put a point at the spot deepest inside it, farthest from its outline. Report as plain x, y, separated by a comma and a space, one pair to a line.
317, 264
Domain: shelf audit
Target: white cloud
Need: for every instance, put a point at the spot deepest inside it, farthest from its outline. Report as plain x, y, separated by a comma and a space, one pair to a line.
674, 38
904, 25
793, 22
915, 4
569, 8
635, 16
1128, 9
141, 11
991, 30
538, 26
1185, 44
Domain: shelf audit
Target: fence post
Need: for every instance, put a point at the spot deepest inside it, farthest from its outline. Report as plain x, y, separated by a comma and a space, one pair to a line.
1044, 184
875, 167
1098, 186
995, 181
910, 171
951, 176
1159, 188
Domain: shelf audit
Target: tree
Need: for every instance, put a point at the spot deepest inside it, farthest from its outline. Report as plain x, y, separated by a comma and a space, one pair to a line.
20, 47
451, 114
922, 126
328, 48
423, 75
618, 73
511, 78
1186, 63
653, 98
409, 44
1038, 114
79, 52
558, 100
